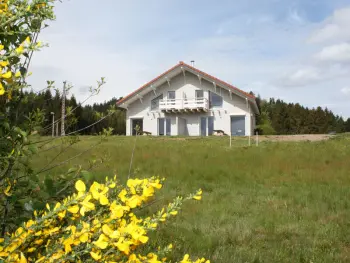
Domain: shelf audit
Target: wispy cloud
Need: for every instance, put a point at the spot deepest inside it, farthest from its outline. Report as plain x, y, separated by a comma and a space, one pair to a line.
335, 28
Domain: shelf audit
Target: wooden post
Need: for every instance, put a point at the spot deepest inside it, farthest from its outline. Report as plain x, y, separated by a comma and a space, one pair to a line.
63, 114
53, 124
230, 140
257, 138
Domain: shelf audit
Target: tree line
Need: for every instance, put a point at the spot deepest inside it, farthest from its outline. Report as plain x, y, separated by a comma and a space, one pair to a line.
276, 116
78, 116
279, 117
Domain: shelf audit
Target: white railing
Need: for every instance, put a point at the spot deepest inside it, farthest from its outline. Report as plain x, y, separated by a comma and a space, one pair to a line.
184, 104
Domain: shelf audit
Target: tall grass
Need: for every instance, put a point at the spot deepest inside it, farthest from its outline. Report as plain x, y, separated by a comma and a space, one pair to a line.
279, 202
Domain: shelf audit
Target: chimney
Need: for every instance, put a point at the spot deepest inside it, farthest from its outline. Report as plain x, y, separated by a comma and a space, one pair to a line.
192, 63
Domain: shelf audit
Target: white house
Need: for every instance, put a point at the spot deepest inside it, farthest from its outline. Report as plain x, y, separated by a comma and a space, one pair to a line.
185, 101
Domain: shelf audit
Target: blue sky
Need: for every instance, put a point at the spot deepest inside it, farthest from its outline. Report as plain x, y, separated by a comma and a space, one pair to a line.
298, 51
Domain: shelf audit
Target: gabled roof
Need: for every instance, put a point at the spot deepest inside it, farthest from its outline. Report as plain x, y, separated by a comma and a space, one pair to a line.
181, 64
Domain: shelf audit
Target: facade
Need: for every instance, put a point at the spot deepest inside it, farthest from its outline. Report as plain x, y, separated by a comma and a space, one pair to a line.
185, 101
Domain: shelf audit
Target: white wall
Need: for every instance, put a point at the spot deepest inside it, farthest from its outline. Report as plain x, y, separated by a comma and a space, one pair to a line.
186, 86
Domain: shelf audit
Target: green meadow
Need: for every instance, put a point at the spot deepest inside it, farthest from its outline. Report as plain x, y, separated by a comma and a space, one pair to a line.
278, 202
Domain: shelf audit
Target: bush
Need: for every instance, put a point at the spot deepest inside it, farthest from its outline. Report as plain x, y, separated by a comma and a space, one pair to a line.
98, 225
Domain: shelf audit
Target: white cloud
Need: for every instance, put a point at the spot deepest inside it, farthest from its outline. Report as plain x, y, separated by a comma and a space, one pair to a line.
345, 91
334, 28
301, 77
335, 53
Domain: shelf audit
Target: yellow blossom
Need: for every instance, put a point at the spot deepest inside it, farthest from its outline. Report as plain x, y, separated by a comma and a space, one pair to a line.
102, 242
80, 186
2, 90
6, 75
4, 63
95, 256
73, 209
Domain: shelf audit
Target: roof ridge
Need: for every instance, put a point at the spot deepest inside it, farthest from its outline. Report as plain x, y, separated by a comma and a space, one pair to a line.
181, 63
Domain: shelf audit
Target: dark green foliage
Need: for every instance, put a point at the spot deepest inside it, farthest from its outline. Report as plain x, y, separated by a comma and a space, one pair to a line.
81, 117
279, 117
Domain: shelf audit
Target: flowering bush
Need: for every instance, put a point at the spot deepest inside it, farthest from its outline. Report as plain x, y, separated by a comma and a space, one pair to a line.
95, 225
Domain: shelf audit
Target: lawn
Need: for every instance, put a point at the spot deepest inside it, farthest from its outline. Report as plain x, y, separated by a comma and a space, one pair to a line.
279, 202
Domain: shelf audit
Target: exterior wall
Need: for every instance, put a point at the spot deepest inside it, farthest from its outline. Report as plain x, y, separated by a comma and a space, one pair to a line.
185, 87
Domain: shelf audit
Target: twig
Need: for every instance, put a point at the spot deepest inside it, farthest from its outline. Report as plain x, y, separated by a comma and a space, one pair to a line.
82, 129
69, 159
3, 226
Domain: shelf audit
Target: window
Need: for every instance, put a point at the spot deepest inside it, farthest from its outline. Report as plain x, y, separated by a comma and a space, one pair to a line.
207, 126
171, 95
155, 102
164, 127
215, 100
199, 94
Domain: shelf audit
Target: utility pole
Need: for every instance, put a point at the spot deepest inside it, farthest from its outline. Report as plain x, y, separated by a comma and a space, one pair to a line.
53, 124
63, 114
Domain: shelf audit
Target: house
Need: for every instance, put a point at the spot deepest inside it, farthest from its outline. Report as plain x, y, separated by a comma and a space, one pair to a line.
185, 101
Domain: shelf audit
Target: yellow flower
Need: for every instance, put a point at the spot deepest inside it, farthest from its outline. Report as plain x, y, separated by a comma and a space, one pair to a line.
123, 245
122, 195
62, 214
174, 213
20, 50
143, 239
4, 63
8, 188
197, 197
80, 186
95, 256
23, 259
6, 75
18, 74
102, 242
1, 47
99, 192
84, 238
73, 209
2, 90
86, 205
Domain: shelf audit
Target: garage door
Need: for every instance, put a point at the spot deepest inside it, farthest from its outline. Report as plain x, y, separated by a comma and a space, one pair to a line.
237, 125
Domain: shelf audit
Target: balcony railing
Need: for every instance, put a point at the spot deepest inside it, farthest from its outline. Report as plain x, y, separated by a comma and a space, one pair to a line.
176, 105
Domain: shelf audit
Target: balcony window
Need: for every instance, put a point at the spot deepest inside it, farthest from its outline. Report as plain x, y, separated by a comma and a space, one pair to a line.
155, 102
215, 100
199, 94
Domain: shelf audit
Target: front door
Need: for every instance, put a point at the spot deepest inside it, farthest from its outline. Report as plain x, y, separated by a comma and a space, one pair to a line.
207, 126
164, 127
237, 125
137, 125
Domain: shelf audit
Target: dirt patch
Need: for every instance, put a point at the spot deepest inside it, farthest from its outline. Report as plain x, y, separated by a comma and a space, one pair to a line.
295, 138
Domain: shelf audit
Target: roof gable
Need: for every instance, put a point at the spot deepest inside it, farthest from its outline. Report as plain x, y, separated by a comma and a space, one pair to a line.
167, 75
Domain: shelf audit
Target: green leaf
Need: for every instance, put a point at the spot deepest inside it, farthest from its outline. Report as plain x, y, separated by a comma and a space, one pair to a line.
87, 175
49, 184
72, 170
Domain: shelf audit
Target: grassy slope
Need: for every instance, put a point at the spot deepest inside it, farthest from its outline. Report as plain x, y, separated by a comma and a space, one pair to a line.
280, 202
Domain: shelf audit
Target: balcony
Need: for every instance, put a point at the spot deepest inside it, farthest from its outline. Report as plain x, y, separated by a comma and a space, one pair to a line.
184, 105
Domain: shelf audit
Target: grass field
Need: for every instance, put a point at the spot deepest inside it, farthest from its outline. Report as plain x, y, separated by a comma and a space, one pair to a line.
279, 202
